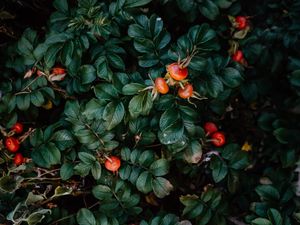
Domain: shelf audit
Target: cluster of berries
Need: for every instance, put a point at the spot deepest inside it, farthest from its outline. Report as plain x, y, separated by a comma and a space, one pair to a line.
217, 137
240, 23
12, 144
176, 76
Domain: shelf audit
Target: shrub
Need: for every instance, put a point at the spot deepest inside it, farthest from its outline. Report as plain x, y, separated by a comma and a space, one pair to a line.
153, 112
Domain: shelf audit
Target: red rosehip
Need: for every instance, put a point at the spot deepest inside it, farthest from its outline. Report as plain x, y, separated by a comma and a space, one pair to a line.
113, 163
238, 56
176, 72
58, 70
18, 128
241, 22
186, 92
19, 159
161, 85
12, 144
210, 128
218, 139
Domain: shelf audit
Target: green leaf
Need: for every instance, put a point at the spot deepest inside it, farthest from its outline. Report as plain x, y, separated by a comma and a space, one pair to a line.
106, 91
96, 170
61, 5
160, 167
101, 192
193, 152
37, 98
260, 221
133, 88
209, 9
85, 217
63, 139
232, 77
275, 217
219, 169
86, 158
140, 104
113, 114
161, 187
143, 183
267, 192
135, 3
8, 184
214, 86
36, 217
23, 101
66, 171
87, 74
46, 155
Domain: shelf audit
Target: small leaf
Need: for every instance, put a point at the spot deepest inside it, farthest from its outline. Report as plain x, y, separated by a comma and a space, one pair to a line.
85, 217
161, 187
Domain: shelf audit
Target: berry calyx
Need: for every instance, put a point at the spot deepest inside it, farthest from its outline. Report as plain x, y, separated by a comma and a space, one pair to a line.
218, 139
113, 163
19, 159
176, 72
210, 128
12, 144
186, 91
241, 22
238, 56
161, 85
18, 128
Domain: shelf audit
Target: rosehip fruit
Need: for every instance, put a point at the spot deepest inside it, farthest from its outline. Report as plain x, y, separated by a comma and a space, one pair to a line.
113, 163
218, 139
186, 92
18, 128
176, 72
238, 56
161, 85
12, 144
210, 128
19, 159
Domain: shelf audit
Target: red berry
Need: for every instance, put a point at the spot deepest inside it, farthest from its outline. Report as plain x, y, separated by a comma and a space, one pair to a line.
218, 139
186, 92
113, 163
210, 128
12, 144
241, 22
238, 56
161, 85
19, 159
58, 70
18, 128
176, 72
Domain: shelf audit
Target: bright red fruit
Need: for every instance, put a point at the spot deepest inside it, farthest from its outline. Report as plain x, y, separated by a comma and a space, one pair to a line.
161, 85
241, 22
19, 159
210, 128
176, 72
186, 92
58, 70
18, 128
113, 163
238, 56
218, 139
12, 144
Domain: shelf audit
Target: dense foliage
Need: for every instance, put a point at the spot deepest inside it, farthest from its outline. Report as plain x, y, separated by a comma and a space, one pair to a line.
151, 112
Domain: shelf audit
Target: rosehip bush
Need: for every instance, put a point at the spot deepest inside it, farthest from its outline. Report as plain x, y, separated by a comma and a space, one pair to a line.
150, 112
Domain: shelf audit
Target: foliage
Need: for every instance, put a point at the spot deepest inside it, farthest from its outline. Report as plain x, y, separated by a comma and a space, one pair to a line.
84, 89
